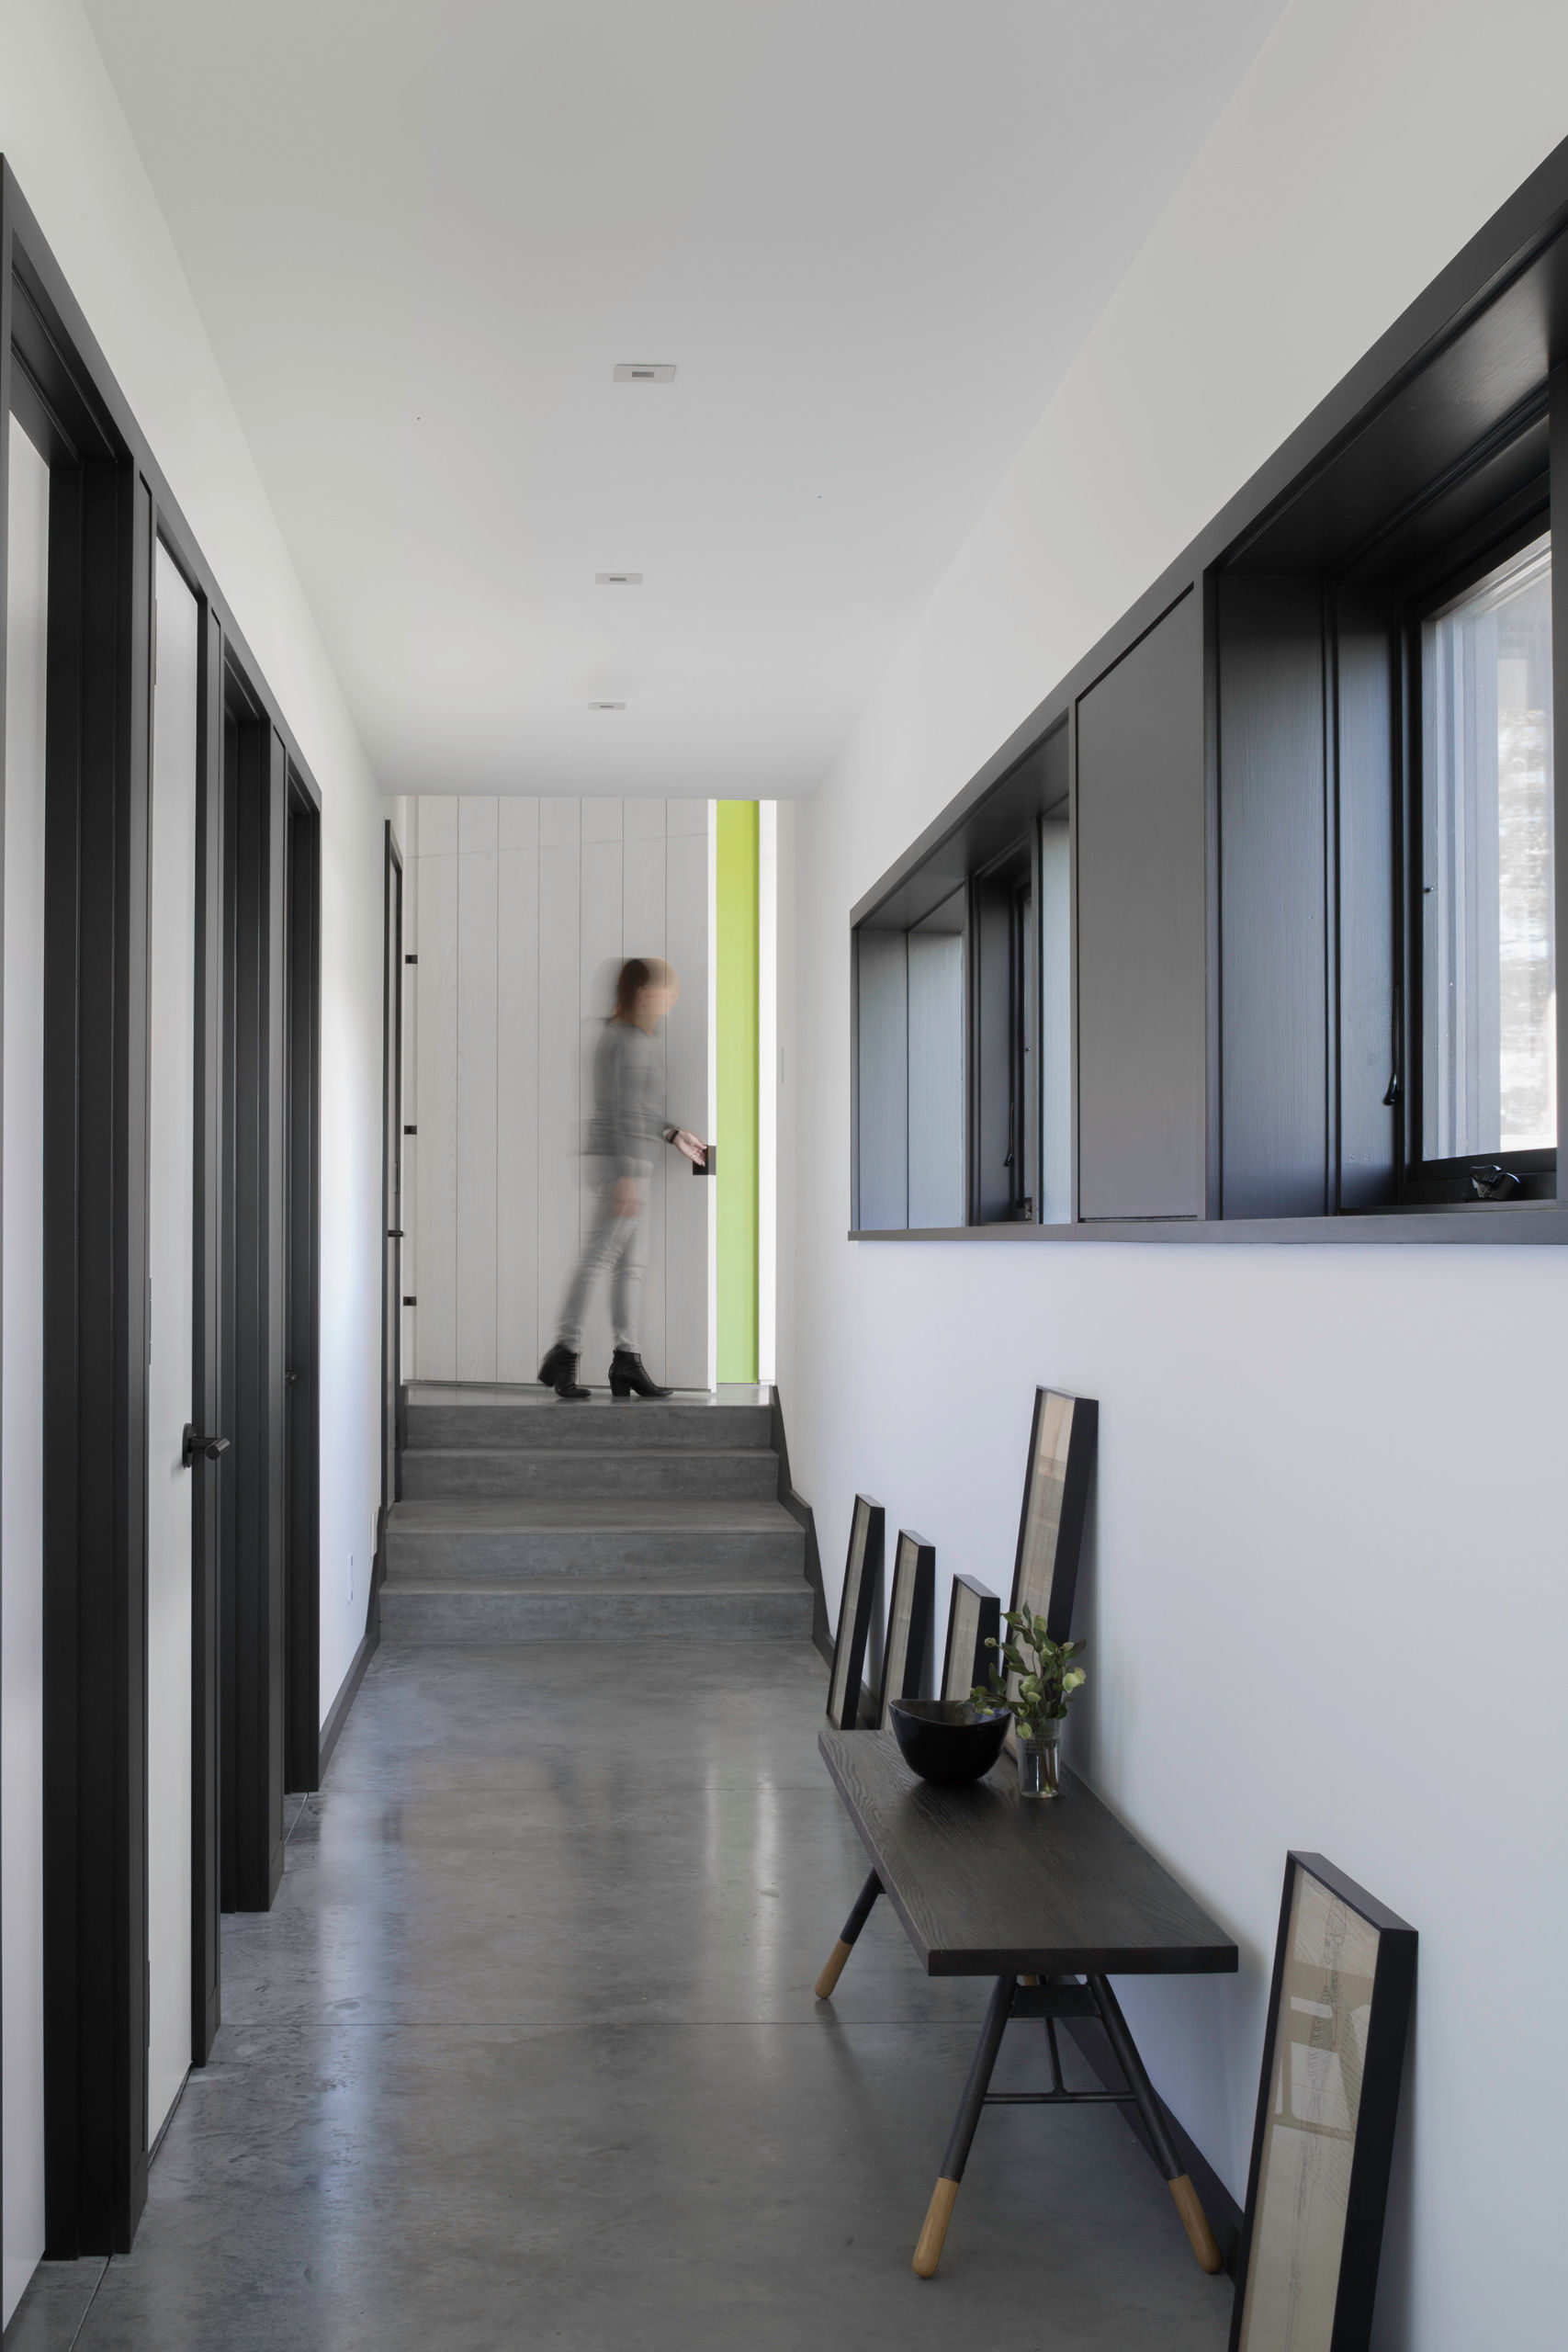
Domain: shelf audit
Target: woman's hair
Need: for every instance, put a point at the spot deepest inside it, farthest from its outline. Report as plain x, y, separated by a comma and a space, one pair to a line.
638, 972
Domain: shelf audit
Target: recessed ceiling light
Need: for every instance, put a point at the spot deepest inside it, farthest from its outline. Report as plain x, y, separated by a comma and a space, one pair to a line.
644, 371
606, 705
618, 580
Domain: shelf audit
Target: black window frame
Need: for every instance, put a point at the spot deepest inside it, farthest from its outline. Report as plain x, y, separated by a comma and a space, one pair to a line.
1504, 1176
1236, 765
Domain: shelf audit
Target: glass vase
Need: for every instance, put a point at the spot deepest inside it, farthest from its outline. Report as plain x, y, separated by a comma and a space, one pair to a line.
1040, 1763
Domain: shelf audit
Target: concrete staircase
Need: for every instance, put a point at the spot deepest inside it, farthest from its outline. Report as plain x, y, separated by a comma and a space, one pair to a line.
524, 1519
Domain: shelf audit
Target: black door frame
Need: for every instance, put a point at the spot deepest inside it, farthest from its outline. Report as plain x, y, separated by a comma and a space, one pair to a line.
211, 1488
109, 507
302, 1050
252, 1613
95, 1262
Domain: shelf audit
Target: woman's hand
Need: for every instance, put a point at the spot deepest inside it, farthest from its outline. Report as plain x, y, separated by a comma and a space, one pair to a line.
693, 1146
623, 1200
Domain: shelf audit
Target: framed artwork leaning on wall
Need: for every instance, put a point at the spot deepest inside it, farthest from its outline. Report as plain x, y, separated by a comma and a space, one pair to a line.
863, 1573
906, 1650
1062, 1443
1333, 2055
1063, 1437
974, 1617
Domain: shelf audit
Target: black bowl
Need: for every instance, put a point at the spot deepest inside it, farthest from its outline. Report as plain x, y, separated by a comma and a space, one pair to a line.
945, 1740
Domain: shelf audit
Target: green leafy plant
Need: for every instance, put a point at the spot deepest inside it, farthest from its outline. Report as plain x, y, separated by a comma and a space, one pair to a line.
1034, 1676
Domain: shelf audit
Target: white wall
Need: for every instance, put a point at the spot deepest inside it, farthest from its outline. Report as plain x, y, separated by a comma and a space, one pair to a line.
1324, 1586
64, 136
522, 913
21, 1374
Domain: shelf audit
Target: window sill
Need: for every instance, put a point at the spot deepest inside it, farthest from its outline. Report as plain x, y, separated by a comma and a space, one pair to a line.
1531, 1223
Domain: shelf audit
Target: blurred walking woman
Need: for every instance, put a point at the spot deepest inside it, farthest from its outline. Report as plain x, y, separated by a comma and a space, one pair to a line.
628, 1123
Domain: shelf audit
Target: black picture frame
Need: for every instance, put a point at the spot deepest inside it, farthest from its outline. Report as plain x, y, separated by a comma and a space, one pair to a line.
1323, 2142
974, 1617
863, 1573
1063, 1440
906, 1654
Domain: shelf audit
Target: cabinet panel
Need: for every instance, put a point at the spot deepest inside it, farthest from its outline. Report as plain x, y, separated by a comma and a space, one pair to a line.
1274, 1032
883, 1080
1141, 939
936, 1078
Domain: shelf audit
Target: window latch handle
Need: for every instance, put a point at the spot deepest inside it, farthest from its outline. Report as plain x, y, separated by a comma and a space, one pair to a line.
193, 1443
1494, 1183
1392, 1097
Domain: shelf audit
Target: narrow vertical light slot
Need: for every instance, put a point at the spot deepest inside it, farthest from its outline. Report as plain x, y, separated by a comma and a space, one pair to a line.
767, 1088
710, 1191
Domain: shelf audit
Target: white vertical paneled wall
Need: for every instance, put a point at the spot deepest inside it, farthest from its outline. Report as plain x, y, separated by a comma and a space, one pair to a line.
478, 917
517, 1341
520, 912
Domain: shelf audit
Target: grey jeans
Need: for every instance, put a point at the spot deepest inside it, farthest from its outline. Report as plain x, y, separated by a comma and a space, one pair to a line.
617, 1246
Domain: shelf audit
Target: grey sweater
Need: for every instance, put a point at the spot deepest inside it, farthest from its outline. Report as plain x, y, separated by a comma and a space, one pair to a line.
629, 1116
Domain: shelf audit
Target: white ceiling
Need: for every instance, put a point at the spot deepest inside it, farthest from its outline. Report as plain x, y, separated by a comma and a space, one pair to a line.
870, 233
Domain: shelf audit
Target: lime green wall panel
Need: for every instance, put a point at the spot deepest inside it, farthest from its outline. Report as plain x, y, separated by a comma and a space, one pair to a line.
735, 949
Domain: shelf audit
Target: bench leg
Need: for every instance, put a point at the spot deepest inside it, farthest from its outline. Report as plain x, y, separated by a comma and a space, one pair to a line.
1194, 2220
834, 1967
928, 2253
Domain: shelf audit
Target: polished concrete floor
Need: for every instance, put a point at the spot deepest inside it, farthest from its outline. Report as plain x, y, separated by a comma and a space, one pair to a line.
526, 2054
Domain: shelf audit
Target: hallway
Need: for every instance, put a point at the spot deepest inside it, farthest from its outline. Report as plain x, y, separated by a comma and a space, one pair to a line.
526, 2053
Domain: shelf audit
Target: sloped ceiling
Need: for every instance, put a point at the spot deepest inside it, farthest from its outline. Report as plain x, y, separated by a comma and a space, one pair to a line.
869, 234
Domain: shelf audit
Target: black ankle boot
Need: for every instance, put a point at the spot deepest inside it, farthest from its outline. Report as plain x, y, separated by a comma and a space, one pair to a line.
558, 1372
628, 1376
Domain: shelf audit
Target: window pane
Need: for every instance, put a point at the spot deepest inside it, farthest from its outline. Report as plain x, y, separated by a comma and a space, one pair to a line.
1488, 945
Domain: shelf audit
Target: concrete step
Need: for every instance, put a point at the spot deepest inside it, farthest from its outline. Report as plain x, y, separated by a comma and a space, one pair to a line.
481, 1540
688, 1606
489, 1473
533, 1417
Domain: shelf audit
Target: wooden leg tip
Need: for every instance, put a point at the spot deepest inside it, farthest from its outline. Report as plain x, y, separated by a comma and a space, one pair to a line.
833, 1970
1195, 2222
928, 2254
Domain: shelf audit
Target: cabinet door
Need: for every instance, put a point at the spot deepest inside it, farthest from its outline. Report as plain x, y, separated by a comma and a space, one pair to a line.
883, 1082
1273, 907
1141, 943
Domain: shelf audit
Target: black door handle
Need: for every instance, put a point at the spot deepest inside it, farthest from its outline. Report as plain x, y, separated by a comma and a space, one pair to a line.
192, 1445
394, 1233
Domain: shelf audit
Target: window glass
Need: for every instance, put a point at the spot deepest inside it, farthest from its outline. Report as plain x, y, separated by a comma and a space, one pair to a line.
1488, 928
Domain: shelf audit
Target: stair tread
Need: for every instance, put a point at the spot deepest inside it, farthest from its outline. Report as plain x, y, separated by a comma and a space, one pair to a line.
527, 1396
577, 1455
624, 1514
656, 1580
